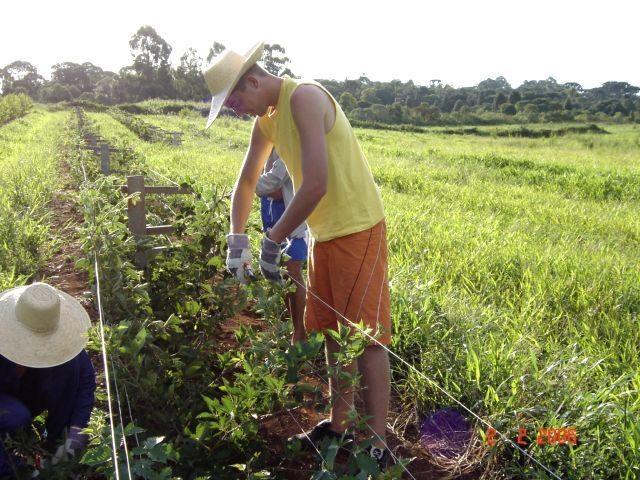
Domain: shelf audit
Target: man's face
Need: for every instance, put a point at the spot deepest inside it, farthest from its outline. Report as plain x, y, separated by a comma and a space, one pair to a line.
245, 100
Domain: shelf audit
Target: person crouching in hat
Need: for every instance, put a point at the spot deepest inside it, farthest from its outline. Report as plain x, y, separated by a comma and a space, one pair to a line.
44, 367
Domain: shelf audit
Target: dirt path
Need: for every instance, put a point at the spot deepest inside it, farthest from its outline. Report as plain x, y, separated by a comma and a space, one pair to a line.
61, 271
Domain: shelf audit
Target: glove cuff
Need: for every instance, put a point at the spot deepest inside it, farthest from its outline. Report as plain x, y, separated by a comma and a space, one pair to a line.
238, 240
76, 439
269, 246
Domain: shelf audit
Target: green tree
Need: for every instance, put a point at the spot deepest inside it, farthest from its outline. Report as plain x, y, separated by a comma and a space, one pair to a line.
105, 89
617, 90
189, 83
499, 83
507, 109
368, 95
347, 101
275, 60
151, 64
499, 99
567, 105
386, 92
458, 105
55, 92
515, 97
82, 76
126, 88
20, 76
427, 113
396, 113
380, 113
215, 50
353, 87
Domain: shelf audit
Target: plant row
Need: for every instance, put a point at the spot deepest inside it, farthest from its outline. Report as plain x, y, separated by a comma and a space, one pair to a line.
142, 129
14, 106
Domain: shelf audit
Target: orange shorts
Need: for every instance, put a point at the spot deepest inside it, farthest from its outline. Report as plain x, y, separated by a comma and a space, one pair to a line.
350, 274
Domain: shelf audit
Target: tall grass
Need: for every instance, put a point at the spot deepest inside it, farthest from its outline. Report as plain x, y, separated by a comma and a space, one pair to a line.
514, 266
28, 176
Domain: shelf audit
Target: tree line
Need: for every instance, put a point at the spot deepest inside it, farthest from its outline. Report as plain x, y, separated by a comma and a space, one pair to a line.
151, 75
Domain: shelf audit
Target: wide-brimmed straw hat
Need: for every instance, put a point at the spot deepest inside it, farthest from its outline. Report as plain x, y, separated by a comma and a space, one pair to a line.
223, 75
41, 326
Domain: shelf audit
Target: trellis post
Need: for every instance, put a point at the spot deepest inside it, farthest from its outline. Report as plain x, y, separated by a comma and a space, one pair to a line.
137, 215
105, 163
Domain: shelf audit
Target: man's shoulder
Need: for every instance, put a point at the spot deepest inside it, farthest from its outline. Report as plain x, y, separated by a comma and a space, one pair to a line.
307, 88
309, 92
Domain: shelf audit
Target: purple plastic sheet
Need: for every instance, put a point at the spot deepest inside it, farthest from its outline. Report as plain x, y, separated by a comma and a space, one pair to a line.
446, 433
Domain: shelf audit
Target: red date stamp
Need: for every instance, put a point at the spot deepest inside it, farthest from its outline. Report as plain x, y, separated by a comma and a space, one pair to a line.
545, 436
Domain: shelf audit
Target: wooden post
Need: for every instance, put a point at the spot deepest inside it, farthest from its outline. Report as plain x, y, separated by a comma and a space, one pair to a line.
136, 214
175, 140
80, 119
104, 159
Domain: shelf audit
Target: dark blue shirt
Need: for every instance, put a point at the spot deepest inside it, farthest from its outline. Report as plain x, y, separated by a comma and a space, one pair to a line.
65, 391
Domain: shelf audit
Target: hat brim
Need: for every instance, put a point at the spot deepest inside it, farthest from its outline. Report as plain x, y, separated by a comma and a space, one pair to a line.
41, 350
252, 56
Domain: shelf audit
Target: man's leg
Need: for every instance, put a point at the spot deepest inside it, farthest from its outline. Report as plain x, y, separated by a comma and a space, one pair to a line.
340, 390
296, 301
374, 367
361, 291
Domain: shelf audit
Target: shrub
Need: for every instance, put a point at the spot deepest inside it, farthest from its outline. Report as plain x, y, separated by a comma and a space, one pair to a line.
13, 106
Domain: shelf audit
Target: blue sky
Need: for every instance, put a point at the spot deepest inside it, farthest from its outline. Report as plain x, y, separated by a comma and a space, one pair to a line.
458, 42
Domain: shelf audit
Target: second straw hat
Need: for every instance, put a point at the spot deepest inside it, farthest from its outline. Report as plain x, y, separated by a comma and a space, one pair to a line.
41, 326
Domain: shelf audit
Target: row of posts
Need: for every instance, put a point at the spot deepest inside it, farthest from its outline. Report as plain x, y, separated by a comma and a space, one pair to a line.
96, 144
137, 190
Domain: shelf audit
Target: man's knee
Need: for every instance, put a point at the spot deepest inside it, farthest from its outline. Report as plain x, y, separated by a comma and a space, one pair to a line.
13, 414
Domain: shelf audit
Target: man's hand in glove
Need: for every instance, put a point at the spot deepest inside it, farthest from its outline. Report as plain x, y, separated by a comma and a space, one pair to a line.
270, 255
76, 441
239, 256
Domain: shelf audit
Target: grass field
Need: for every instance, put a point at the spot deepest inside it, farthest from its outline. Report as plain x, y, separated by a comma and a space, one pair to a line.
514, 268
28, 176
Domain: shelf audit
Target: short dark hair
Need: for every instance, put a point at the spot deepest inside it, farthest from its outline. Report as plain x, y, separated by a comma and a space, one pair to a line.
255, 70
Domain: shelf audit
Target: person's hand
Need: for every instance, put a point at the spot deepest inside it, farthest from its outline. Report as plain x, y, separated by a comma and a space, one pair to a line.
239, 256
75, 442
270, 255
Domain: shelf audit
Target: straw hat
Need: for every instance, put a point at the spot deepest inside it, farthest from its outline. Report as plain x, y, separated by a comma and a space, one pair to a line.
222, 76
41, 326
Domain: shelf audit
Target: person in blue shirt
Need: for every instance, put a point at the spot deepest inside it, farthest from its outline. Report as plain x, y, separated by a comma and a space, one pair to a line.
275, 190
44, 367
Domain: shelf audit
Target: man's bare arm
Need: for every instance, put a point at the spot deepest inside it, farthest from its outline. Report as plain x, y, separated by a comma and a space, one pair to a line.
309, 105
254, 160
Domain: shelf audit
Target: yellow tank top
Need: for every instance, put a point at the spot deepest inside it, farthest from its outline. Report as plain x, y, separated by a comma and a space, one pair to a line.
352, 202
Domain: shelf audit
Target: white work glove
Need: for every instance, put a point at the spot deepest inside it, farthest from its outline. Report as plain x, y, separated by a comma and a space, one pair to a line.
239, 256
270, 254
75, 442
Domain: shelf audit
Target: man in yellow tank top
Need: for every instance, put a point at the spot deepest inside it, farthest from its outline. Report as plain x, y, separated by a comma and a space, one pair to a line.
336, 194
